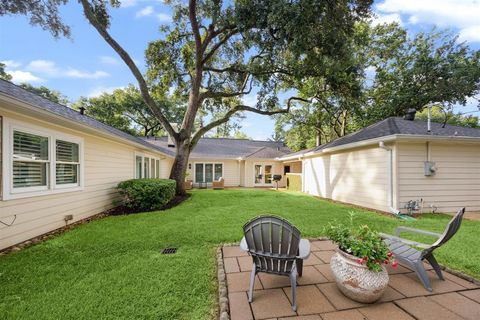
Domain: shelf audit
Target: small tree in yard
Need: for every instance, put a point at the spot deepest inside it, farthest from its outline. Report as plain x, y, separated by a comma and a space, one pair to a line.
215, 52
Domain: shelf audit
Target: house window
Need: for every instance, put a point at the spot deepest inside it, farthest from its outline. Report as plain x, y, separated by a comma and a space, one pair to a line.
208, 172
67, 165
39, 161
146, 166
30, 161
138, 167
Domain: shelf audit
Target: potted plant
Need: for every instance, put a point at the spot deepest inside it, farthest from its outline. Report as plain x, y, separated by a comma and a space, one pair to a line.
359, 263
188, 182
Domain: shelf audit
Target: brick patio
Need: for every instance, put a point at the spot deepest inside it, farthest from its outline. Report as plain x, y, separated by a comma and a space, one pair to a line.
319, 298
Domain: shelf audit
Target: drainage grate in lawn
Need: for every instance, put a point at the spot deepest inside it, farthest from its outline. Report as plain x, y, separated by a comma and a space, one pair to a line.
169, 250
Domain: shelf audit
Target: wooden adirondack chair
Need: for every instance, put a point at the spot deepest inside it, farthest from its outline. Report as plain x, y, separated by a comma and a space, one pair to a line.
276, 247
405, 252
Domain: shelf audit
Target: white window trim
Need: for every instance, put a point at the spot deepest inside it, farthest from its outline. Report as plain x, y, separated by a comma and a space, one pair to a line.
263, 164
10, 193
151, 158
207, 162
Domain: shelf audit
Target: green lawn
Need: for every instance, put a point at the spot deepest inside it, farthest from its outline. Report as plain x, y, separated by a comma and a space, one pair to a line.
112, 268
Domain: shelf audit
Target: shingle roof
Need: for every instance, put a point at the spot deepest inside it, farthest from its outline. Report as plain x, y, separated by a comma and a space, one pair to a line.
16, 92
228, 148
396, 125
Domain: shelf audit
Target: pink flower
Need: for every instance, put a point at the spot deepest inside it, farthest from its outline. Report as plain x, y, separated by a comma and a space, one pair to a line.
394, 264
389, 254
360, 261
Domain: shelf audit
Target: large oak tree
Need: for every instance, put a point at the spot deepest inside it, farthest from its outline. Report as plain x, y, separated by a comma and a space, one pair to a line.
216, 52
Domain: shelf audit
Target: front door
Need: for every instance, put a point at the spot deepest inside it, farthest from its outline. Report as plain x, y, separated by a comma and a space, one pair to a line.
263, 174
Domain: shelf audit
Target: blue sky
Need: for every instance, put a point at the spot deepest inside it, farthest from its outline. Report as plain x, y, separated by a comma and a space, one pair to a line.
86, 66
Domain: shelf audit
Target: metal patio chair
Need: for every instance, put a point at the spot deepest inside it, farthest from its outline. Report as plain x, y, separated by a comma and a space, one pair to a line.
276, 247
405, 252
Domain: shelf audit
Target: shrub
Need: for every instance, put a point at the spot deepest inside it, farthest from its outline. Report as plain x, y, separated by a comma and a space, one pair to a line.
147, 194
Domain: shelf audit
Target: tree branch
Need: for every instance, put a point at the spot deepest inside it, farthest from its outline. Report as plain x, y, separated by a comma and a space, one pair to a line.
90, 15
200, 132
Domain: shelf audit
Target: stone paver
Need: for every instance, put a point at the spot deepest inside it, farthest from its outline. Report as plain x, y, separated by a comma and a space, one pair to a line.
326, 271
310, 317
233, 251
231, 265
409, 285
472, 294
311, 275
245, 263
322, 245
460, 281
458, 304
318, 297
310, 300
240, 281
384, 311
312, 260
270, 281
325, 256
271, 303
337, 298
239, 306
343, 315
425, 309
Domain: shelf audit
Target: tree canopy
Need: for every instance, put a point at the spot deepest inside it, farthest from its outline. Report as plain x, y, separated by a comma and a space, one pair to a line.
215, 52
394, 72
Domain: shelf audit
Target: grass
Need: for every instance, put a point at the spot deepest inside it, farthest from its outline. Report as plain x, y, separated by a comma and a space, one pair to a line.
112, 268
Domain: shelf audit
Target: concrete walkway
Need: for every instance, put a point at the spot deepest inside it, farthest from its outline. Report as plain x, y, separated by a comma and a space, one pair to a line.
319, 298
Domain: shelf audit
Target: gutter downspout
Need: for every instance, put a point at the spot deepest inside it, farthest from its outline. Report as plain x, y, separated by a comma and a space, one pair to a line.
390, 203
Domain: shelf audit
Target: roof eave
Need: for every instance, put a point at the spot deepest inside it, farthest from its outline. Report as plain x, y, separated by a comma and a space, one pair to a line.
47, 114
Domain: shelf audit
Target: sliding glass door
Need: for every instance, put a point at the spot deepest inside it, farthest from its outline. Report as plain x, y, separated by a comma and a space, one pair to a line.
208, 172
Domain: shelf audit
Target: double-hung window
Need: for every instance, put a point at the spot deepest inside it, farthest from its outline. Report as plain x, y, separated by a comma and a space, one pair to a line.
31, 161
67, 163
146, 166
39, 161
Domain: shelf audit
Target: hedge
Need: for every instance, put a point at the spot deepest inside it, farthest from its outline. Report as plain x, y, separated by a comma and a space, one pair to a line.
147, 194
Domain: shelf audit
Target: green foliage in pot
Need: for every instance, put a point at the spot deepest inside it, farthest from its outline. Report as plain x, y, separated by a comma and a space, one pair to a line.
361, 242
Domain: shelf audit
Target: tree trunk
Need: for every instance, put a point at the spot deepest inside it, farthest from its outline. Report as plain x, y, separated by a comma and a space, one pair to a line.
180, 166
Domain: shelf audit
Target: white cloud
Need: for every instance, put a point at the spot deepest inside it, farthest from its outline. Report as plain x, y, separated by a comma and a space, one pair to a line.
109, 60
387, 18
11, 63
128, 3
97, 91
470, 34
50, 69
461, 14
163, 17
145, 12
19, 76
75, 73
44, 66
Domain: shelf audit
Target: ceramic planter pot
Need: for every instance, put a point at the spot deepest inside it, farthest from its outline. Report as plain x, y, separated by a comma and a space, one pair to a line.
355, 280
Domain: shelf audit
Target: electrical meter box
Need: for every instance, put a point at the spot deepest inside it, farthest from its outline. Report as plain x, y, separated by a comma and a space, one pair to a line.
430, 168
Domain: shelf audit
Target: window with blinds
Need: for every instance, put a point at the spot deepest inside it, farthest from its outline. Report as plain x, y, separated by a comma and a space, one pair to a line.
67, 165
30, 160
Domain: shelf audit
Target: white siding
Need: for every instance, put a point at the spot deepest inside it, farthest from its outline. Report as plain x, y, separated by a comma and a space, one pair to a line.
106, 164
354, 176
456, 183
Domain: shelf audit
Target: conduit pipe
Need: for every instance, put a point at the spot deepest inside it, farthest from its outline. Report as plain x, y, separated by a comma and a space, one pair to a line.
390, 203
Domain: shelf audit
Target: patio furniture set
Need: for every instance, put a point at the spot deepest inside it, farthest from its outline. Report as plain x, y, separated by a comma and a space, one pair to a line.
276, 247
